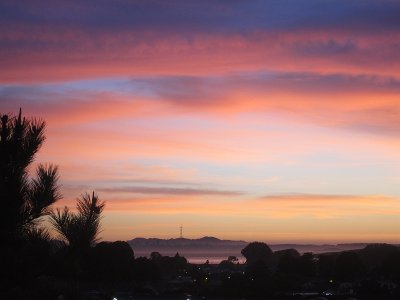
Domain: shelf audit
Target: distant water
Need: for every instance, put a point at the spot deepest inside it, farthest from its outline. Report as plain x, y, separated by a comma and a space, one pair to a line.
196, 256
211, 259
215, 255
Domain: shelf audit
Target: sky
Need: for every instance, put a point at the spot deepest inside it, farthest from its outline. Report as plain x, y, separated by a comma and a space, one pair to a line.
275, 120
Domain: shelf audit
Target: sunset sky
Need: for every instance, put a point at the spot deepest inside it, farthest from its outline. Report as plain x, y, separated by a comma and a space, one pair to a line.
275, 120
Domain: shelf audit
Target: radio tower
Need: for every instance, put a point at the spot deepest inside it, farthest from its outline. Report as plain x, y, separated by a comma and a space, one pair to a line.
181, 230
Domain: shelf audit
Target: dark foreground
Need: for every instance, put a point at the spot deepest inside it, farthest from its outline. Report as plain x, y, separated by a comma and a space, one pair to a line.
110, 271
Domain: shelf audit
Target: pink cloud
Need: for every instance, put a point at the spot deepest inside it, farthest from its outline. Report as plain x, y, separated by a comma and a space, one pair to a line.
74, 54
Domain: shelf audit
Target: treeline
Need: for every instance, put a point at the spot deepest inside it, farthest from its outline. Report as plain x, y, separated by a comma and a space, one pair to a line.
368, 273
109, 267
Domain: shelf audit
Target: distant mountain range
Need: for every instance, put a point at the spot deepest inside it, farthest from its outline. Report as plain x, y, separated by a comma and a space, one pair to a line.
212, 243
206, 241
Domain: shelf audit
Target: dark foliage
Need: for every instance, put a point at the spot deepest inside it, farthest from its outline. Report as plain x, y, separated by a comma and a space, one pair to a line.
25, 246
257, 251
326, 266
24, 201
286, 260
373, 255
306, 265
79, 230
391, 266
146, 270
111, 261
348, 266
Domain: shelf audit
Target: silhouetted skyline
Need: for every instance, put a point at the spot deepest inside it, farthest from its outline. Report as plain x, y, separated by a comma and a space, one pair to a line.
275, 121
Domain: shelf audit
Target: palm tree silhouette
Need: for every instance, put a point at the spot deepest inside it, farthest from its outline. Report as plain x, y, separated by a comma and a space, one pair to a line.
24, 200
79, 230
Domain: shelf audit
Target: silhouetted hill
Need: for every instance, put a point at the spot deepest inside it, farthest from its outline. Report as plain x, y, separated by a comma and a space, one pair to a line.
373, 255
206, 241
212, 243
316, 248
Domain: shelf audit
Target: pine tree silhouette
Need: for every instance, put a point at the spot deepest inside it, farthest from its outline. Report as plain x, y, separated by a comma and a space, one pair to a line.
24, 200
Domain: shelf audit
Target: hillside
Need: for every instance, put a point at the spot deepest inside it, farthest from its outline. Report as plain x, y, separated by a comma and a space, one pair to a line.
185, 243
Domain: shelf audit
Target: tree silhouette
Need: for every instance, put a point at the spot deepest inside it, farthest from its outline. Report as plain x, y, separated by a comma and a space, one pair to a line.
111, 261
286, 260
257, 251
80, 229
24, 200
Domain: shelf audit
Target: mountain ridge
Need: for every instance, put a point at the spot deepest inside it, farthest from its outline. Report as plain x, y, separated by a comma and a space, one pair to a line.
213, 242
184, 242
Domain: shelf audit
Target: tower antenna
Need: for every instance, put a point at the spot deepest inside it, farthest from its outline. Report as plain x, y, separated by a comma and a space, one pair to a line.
181, 231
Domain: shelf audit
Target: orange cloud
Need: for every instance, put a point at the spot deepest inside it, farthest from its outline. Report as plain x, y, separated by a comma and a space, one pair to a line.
328, 206
280, 206
280, 218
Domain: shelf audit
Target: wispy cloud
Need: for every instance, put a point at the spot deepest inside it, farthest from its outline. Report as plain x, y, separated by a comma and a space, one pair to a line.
333, 207
363, 103
135, 54
168, 191
190, 110
328, 206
